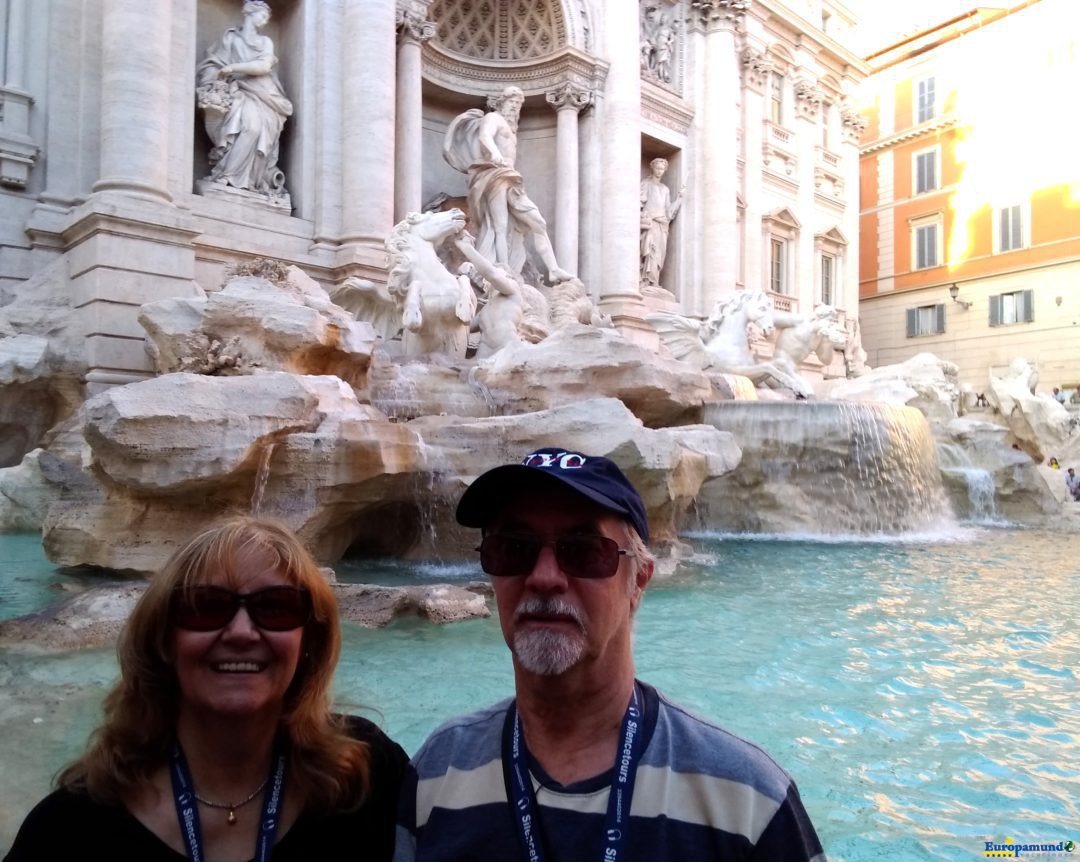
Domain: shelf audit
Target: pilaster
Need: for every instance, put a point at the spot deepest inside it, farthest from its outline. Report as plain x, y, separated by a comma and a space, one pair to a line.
568, 99
413, 32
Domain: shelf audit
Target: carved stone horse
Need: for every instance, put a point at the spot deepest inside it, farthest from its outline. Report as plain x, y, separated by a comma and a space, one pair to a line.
436, 306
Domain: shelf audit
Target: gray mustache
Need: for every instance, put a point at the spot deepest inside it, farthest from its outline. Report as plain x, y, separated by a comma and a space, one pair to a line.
536, 605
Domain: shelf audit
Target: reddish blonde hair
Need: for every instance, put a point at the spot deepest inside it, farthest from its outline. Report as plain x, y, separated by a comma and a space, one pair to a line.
328, 767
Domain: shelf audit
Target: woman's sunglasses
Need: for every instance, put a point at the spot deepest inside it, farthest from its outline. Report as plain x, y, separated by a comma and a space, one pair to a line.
507, 555
275, 609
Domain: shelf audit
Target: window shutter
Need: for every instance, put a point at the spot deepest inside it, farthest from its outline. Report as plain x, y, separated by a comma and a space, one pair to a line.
939, 311
1016, 225
931, 171
1028, 297
1003, 230
912, 322
995, 310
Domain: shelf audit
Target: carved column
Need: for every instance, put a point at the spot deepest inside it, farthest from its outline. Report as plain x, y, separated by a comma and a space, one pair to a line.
720, 19
413, 31
368, 120
620, 247
567, 99
135, 93
17, 151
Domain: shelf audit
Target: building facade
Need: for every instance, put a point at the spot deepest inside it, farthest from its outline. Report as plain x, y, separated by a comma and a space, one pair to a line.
104, 157
970, 195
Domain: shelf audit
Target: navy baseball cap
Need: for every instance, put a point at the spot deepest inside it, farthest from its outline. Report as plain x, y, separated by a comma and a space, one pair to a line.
597, 478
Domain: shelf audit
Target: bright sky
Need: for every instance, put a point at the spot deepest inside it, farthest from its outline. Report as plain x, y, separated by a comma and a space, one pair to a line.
882, 22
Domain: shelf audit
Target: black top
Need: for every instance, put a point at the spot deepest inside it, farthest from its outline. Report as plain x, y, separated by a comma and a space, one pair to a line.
67, 825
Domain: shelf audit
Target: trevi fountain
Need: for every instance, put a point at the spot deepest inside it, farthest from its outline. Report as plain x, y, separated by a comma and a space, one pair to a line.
861, 568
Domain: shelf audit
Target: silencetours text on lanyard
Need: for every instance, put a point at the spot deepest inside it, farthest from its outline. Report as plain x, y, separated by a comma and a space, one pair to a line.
523, 804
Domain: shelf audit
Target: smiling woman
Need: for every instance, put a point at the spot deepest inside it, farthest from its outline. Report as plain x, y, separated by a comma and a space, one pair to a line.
223, 701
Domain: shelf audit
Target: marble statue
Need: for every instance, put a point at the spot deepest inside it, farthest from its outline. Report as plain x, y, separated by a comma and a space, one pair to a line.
244, 106
658, 210
499, 320
484, 146
799, 335
720, 342
436, 306
370, 301
657, 42
571, 304
854, 355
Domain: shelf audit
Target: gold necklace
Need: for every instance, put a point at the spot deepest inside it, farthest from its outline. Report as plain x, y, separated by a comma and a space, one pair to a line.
232, 806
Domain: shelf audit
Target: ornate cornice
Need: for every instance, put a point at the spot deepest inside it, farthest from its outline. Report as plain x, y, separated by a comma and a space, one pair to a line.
756, 68
659, 106
928, 128
853, 123
569, 95
534, 76
808, 98
712, 15
414, 27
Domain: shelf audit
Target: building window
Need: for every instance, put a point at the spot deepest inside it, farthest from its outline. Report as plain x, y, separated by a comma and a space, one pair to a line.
778, 282
926, 170
926, 320
1010, 232
824, 126
776, 98
926, 237
828, 271
1017, 306
924, 100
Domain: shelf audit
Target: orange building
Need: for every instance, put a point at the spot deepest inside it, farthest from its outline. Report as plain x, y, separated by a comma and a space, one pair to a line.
970, 194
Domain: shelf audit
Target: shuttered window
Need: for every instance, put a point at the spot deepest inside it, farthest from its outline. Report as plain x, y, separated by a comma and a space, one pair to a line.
926, 320
1010, 228
924, 100
926, 171
778, 266
828, 268
1015, 307
926, 246
776, 99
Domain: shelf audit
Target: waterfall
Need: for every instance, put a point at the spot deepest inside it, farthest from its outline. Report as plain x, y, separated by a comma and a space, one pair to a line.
827, 467
262, 474
981, 495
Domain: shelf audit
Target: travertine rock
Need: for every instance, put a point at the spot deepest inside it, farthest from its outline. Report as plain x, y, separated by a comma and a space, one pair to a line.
254, 324
1040, 425
593, 362
925, 382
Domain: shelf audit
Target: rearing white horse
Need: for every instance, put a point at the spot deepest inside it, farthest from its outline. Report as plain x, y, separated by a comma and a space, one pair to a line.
721, 342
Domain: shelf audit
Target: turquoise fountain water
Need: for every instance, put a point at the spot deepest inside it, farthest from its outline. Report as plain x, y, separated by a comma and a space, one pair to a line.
922, 691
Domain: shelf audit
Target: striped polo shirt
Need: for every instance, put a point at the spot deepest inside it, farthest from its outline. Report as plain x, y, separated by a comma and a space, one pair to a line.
701, 794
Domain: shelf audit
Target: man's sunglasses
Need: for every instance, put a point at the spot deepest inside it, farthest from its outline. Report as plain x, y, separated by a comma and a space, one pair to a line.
275, 609
508, 555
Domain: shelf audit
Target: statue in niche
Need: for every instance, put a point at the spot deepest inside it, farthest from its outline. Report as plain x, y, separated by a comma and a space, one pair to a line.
657, 213
513, 311
657, 42
244, 107
507, 221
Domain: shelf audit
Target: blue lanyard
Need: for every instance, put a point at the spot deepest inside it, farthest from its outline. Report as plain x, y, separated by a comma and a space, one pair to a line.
523, 801
187, 808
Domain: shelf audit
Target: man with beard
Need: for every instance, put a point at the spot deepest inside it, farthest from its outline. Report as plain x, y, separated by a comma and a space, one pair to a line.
485, 147
586, 762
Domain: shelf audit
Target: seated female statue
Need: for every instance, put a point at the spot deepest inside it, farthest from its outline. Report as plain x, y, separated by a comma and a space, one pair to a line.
218, 742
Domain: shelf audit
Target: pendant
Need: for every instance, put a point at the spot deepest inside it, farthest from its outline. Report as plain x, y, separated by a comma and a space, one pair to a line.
231, 819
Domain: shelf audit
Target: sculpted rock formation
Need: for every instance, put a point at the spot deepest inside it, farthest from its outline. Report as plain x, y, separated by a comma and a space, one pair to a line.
1042, 426
266, 317
925, 382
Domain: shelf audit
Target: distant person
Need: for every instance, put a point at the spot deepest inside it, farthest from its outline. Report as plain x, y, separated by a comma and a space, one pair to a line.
1072, 482
218, 741
1053, 464
1059, 396
587, 762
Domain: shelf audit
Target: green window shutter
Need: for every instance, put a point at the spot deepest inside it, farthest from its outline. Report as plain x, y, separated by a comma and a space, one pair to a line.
939, 313
995, 310
912, 322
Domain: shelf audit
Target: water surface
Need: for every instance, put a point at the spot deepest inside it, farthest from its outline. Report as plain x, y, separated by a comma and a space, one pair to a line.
922, 693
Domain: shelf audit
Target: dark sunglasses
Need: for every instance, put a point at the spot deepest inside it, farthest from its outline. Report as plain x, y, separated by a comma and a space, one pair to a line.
507, 555
275, 609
